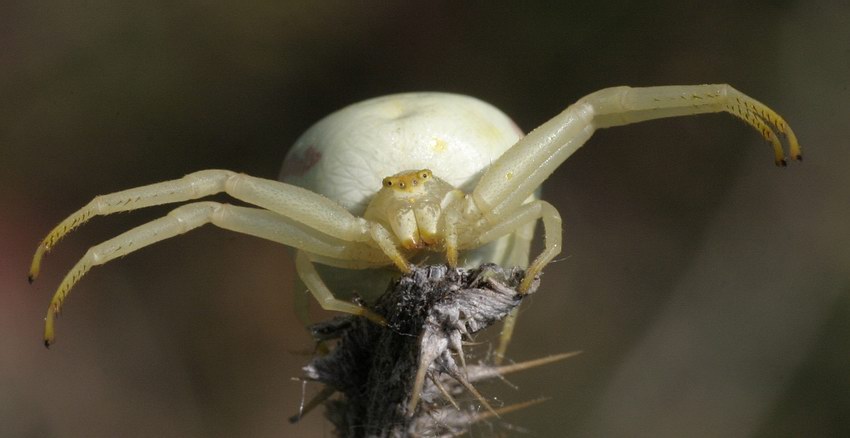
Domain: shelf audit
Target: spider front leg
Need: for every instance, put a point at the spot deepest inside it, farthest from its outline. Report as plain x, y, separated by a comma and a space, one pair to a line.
251, 221
521, 169
333, 233
287, 200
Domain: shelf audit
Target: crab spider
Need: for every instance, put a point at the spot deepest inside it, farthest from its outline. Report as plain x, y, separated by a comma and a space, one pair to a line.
385, 181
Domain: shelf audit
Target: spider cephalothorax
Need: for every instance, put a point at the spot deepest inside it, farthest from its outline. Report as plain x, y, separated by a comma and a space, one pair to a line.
411, 202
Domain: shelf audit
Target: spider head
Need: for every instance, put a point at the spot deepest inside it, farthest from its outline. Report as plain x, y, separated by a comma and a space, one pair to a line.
410, 203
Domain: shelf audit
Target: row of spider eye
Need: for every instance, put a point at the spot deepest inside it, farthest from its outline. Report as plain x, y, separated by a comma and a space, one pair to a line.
394, 180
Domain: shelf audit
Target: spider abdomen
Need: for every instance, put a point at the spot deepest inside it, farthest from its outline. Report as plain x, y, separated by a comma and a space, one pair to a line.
346, 155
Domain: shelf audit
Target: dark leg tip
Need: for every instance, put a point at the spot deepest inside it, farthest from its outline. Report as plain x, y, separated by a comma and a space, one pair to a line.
782, 162
47, 344
799, 157
30, 278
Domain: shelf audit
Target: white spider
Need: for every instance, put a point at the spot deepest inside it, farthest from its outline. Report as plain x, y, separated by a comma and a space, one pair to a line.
389, 179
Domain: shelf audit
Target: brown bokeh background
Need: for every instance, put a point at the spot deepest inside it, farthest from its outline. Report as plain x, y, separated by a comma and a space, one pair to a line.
707, 289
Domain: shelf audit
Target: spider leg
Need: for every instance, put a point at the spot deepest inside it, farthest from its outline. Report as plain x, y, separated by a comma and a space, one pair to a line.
297, 203
517, 255
252, 221
521, 169
522, 223
324, 249
505, 336
307, 273
384, 239
521, 216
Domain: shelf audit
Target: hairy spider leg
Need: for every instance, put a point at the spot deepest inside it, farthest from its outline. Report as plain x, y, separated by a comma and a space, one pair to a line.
245, 220
287, 200
523, 167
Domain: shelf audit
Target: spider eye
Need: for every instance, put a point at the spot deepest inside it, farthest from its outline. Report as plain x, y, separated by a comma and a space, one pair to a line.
388, 182
401, 185
425, 175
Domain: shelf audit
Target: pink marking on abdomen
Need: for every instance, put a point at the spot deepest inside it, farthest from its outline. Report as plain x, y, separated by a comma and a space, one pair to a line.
299, 164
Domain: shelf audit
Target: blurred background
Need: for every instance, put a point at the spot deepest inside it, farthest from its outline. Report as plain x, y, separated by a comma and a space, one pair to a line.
707, 288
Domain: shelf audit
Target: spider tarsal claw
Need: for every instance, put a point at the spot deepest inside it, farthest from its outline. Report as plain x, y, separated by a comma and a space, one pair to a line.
35, 266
